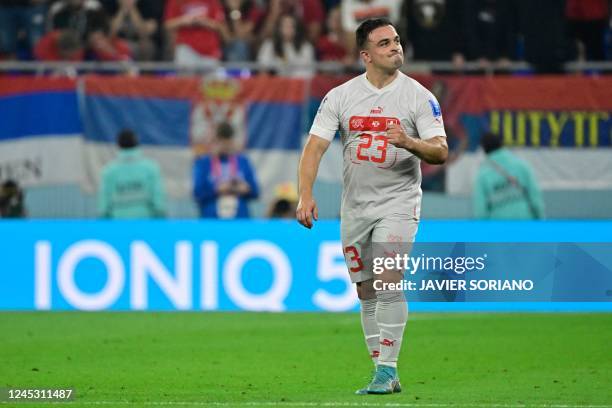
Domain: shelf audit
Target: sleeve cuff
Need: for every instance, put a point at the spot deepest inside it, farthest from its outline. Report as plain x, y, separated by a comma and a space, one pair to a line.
322, 133
433, 132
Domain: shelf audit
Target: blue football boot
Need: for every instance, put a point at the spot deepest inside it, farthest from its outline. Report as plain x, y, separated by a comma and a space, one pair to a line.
385, 381
364, 390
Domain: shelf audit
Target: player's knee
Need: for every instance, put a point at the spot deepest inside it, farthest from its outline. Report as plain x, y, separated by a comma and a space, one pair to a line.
365, 290
390, 296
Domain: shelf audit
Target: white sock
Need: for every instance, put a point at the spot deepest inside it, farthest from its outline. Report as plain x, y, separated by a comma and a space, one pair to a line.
391, 316
371, 331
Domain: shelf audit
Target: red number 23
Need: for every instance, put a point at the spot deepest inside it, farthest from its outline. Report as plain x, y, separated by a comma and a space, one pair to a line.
366, 143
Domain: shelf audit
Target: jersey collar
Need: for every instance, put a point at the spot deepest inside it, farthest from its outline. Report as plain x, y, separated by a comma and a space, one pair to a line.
385, 88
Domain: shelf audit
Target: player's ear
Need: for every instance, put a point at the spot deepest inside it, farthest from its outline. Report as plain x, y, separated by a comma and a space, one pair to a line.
365, 56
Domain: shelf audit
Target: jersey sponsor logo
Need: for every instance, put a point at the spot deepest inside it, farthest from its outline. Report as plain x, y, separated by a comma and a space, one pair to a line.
366, 123
435, 108
387, 342
377, 111
357, 123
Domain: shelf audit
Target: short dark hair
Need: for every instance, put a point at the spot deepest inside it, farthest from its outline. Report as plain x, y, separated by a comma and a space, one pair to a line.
127, 139
490, 142
281, 208
10, 185
225, 131
365, 28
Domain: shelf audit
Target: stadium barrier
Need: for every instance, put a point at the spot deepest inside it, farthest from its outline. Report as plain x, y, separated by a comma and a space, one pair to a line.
248, 68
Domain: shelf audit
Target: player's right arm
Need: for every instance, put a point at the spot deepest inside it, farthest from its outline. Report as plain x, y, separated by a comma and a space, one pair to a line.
324, 127
307, 173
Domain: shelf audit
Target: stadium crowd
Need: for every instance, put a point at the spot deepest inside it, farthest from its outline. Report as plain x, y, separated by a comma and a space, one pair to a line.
545, 33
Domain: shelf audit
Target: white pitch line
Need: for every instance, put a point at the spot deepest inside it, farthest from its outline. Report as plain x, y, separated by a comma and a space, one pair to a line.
314, 404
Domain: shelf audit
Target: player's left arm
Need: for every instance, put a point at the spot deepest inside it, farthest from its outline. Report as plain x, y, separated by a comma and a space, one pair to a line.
433, 150
430, 145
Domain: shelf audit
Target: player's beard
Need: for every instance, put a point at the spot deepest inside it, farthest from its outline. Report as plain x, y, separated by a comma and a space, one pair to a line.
389, 63
397, 60
392, 64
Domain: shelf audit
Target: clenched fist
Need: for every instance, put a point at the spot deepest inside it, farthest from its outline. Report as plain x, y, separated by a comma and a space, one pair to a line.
398, 138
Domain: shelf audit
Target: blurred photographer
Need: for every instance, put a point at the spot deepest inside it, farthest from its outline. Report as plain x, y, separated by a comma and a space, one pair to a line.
224, 182
12, 203
285, 201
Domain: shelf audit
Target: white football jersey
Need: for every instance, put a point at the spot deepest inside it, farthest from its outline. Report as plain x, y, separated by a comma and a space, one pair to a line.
379, 179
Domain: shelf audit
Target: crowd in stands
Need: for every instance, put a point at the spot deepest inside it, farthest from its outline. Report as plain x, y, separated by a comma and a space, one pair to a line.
274, 33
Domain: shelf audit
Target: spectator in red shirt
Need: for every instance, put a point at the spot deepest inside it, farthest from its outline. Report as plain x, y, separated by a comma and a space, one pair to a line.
107, 48
196, 24
331, 46
91, 23
134, 21
60, 45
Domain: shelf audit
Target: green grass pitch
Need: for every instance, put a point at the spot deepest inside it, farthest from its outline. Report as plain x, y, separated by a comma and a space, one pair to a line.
307, 359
